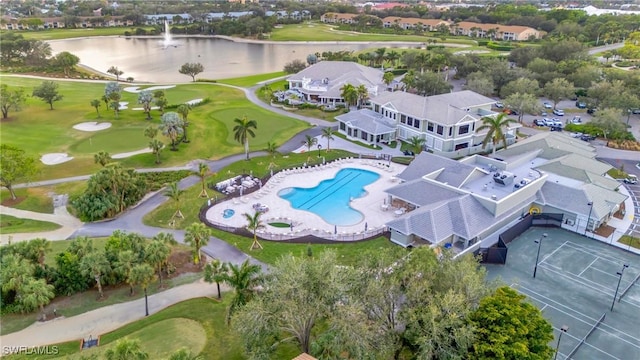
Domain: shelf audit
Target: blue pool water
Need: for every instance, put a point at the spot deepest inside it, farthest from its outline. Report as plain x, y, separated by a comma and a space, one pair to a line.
227, 213
330, 199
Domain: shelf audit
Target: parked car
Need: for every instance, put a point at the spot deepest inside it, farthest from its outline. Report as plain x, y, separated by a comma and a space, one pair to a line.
581, 104
548, 122
587, 137
558, 112
539, 122
556, 123
635, 111
591, 111
576, 135
556, 128
631, 179
499, 105
547, 105
576, 120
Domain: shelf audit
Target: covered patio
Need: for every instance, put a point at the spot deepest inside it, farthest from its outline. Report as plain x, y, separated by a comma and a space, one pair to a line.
367, 126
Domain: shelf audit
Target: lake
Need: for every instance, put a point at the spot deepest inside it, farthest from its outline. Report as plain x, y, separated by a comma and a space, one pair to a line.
147, 59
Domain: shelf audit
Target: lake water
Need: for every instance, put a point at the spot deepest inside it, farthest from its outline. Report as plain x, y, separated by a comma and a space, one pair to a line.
147, 59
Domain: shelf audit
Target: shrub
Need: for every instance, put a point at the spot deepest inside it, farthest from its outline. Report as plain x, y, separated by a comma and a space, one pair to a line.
499, 47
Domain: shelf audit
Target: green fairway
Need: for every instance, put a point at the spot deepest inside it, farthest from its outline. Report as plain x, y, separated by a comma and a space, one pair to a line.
248, 81
12, 225
113, 141
30, 199
56, 34
158, 339
39, 131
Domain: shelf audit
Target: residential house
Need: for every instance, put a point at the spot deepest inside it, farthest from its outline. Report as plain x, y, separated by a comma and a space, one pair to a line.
413, 23
496, 31
322, 82
338, 18
459, 203
171, 19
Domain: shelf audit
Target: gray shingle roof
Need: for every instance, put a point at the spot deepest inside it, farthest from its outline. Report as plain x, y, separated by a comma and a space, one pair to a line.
576, 200
445, 109
551, 145
421, 192
580, 162
369, 121
338, 74
455, 172
556, 167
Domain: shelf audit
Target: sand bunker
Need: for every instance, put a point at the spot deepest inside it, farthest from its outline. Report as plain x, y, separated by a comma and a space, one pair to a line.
136, 89
123, 105
141, 109
92, 126
55, 158
131, 153
194, 102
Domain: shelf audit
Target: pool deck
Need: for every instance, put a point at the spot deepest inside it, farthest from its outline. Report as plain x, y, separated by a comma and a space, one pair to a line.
308, 223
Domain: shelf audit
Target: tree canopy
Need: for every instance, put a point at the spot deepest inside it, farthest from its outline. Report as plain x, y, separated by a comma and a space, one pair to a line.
191, 69
48, 92
15, 165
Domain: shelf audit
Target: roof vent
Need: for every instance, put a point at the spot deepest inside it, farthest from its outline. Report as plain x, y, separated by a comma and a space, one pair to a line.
494, 197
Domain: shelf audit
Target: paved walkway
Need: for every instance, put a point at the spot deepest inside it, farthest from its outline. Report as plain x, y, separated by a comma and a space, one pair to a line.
60, 216
100, 321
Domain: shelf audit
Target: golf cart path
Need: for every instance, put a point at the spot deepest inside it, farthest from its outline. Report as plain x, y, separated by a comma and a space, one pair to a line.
105, 319
69, 224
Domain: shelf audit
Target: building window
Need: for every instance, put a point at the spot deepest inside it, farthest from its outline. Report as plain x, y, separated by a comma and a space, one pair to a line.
364, 135
451, 131
430, 126
342, 126
410, 121
403, 119
440, 130
416, 124
464, 129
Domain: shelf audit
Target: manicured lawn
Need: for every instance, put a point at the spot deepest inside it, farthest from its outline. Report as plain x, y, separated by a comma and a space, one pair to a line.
630, 240
158, 339
56, 34
12, 225
31, 199
249, 81
38, 130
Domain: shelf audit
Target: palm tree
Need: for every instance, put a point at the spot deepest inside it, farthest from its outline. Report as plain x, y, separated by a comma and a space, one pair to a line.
214, 272
151, 132
126, 349
172, 127
39, 247
202, 172
409, 80
166, 238
197, 235
96, 104
157, 255
253, 224
349, 94
387, 78
96, 265
102, 158
184, 110
363, 95
495, 126
417, 144
81, 246
36, 293
156, 147
272, 149
184, 354
309, 141
175, 193
15, 272
143, 274
328, 133
243, 279
243, 130
126, 261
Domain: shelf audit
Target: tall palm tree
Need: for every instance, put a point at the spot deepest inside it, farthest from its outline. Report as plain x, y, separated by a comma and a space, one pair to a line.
494, 125
243, 279
96, 265
363, 95
166, 238
126, 349
39, 247
417, 144
81, 246
202, 172
328, 133
157, 255
387, 78
172, 127
214, 272
254, 223
175, 193
184, 110
349, 94
143, 274
197, 235
243, 129
102, 158
126, 261
409, 80
156, 147
36, 293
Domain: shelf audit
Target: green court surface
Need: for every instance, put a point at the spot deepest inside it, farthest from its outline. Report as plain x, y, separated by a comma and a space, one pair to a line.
575, 283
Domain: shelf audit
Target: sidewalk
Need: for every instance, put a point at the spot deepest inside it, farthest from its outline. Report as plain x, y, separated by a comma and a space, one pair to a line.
105, 319
60, 216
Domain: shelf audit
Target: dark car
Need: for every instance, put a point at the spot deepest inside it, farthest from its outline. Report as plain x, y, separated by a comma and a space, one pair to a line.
587, 137
556, 128
591, 111
581, 105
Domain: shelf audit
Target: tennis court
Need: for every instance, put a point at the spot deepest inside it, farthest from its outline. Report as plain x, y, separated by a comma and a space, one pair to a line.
575, 282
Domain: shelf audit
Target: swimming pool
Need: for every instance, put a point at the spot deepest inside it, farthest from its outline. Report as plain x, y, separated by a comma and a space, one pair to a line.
330, 199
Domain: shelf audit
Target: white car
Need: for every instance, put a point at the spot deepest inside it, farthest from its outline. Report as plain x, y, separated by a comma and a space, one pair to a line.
547, 105
558, 112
